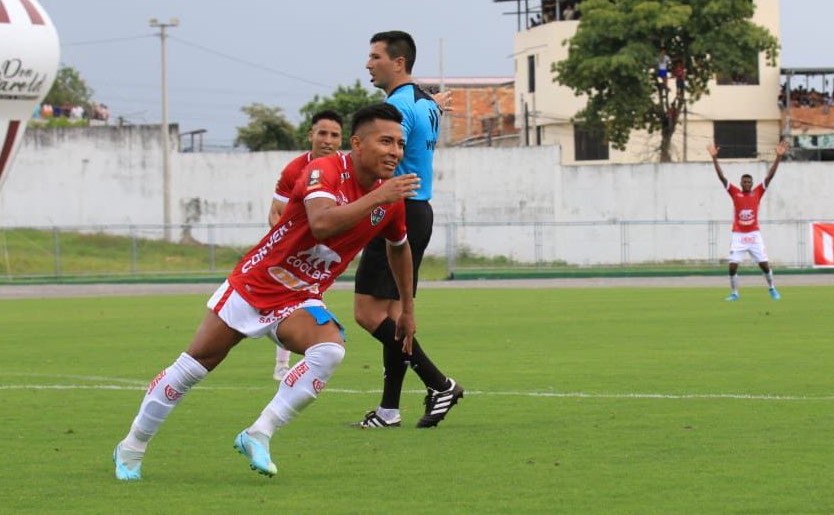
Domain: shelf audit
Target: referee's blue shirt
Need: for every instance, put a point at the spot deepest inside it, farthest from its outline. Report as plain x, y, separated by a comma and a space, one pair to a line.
421, 127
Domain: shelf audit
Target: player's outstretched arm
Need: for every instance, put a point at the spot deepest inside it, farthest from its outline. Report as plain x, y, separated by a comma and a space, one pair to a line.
781, 149
329, 219
713, 152
399, 259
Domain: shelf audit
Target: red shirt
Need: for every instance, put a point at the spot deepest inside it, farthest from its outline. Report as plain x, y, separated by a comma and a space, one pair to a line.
289, 176
289, 265
746, 207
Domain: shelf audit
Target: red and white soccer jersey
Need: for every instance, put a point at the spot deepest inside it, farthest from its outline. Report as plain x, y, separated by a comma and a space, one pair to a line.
290, 175
289, 266
746, 207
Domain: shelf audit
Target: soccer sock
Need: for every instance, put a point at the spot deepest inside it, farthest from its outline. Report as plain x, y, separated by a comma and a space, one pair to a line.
428, 372
164, 393
734, 283
282, 356
394, 367
769, 278
299, 387
431, 376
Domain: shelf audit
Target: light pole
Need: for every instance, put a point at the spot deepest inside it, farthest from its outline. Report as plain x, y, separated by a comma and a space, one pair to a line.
166, 165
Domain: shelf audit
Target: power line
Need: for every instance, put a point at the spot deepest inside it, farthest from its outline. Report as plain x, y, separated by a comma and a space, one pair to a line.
106, 41
251, 64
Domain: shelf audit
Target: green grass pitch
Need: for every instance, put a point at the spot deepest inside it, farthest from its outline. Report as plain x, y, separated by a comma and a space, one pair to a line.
619, 400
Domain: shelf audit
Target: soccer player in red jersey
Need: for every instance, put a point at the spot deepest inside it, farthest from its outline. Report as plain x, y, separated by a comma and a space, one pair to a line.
746, 236
325, 137
339, 204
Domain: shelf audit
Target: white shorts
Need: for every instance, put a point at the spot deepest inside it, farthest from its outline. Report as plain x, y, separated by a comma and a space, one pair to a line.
243, 318
743, 243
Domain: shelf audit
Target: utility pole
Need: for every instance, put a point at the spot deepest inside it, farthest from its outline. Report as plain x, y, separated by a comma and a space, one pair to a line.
166, 164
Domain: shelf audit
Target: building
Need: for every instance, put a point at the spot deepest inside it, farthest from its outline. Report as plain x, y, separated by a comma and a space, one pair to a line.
483, 112
740, 113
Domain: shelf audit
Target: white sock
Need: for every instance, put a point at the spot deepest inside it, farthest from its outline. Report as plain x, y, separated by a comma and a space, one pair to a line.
734, 283
163, 394
282, 357
388, 414
769, 278
299, 387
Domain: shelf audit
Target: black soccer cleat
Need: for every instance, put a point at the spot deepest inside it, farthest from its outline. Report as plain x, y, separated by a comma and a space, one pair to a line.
439, 403
374, 421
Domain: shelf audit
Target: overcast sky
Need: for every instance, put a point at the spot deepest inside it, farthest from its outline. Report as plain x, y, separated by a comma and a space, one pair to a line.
225, 55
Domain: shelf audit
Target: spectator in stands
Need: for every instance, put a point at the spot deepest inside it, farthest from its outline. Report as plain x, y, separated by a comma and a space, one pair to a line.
76, 113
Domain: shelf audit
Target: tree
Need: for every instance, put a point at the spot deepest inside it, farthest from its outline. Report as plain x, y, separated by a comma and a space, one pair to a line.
69, 88
268, 129
613, 55
345, 101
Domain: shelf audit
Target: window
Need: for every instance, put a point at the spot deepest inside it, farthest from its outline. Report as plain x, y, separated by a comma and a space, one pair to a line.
589, 143
531, 74
749, 76
737, 139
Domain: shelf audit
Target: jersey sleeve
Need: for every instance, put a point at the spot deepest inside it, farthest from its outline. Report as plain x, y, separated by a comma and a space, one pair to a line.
395, 231
286, 183
321, 179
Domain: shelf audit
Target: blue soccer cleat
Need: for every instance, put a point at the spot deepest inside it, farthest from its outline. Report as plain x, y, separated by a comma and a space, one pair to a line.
774, 294
256, 448
128, 463
732, 297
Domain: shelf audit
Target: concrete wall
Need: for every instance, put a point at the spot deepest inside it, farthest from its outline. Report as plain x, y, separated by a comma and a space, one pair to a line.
515, 202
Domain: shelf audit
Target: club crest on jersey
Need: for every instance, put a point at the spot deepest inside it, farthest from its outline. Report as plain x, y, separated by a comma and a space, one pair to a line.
314, 180
377, 215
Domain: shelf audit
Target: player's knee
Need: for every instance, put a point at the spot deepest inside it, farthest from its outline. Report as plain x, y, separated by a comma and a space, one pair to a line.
324, 358
366, 317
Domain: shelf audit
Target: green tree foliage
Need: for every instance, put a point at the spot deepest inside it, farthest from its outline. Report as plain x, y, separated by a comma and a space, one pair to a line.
268, 129
345, 101
613, 55
69, 89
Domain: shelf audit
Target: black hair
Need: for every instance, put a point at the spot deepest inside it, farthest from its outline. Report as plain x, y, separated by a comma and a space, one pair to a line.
747, 175
327, 114
373, 112
398, 44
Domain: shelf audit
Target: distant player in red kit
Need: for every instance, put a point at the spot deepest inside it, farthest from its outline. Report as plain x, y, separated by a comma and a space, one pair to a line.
338, 205
325, 137
746, 237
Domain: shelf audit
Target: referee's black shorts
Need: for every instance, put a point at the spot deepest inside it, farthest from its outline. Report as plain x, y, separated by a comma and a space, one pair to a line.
373, 276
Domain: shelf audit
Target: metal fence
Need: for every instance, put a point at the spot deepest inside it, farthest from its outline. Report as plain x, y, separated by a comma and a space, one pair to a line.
212, 249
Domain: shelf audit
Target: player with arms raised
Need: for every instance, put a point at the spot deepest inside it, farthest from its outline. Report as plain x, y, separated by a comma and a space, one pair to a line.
746, 236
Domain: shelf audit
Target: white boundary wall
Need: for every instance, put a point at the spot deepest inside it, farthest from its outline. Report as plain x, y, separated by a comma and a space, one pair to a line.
109, 176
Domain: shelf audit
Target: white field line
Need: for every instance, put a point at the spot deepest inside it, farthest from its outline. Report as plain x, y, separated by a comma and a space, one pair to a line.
564, 395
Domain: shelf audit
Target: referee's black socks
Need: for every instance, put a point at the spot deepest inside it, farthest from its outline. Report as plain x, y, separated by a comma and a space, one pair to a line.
394, 360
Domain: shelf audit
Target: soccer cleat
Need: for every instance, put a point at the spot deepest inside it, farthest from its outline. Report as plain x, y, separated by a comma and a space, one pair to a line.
256, 448
128, 463
280, 372
774, 294
732, 297
374, 421
438, 404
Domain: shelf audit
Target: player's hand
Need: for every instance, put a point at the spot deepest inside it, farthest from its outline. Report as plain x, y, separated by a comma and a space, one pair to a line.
398, 188
782, 147
406, 328
713, 150
444, 100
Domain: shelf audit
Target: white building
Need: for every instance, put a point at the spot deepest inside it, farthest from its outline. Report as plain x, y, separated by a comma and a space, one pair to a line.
742, 114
